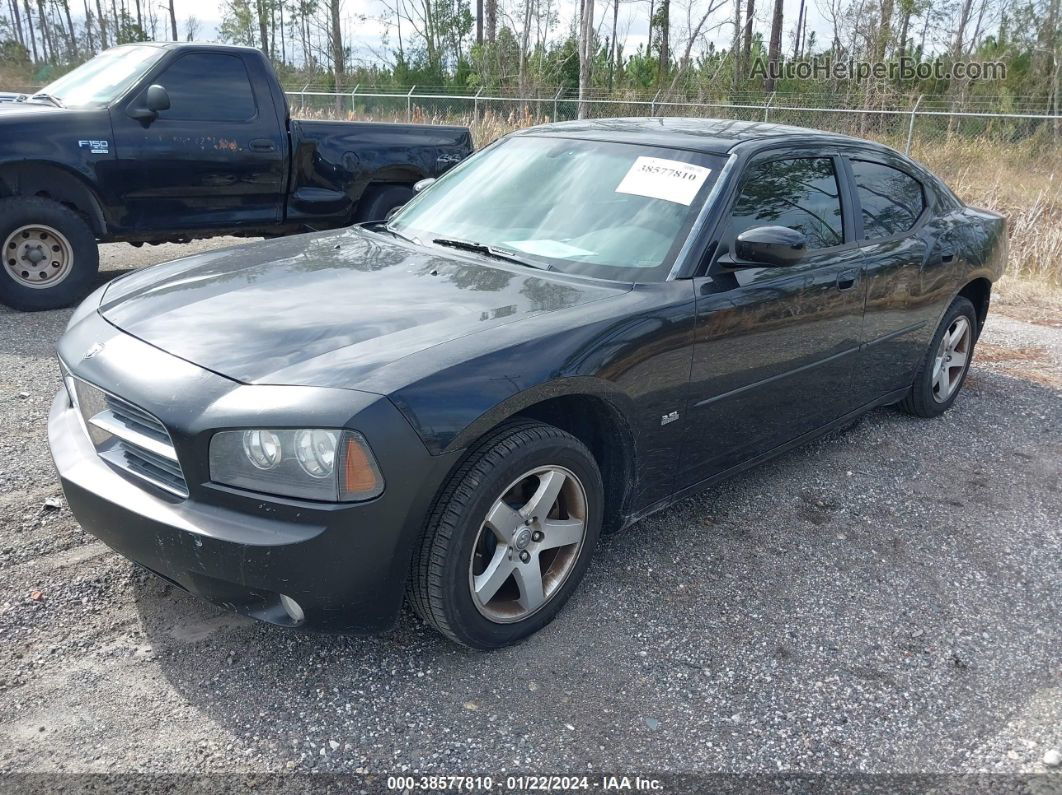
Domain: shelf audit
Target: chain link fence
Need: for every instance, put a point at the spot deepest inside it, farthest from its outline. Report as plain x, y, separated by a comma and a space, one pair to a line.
899, 121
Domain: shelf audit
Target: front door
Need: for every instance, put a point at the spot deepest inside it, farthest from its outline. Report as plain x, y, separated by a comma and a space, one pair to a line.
215, 159
775, 347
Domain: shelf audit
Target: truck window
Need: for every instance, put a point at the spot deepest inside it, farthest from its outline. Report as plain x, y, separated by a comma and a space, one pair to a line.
208, 87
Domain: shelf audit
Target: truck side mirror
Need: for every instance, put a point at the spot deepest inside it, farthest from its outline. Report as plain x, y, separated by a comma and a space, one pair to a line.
155, 99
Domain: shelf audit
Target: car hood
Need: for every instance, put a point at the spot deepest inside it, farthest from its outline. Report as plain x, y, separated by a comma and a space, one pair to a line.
278, 312
11, 110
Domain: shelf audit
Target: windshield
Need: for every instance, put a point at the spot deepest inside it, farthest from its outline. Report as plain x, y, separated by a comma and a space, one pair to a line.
101, 80
615, 211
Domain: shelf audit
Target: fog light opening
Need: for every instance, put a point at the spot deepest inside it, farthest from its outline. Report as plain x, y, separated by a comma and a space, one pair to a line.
291, 607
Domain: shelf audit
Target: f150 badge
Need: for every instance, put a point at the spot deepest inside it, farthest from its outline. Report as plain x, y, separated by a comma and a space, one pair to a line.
96, 147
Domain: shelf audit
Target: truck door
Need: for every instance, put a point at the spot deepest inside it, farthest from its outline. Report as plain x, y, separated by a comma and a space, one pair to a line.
215, 159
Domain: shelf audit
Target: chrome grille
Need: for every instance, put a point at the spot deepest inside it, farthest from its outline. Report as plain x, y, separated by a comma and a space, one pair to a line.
128, 438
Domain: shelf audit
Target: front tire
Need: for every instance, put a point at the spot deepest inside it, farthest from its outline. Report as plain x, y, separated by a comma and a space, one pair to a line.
49, 254
947, 361
510, 536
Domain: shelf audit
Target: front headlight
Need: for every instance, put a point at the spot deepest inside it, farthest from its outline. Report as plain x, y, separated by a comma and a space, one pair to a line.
308, 463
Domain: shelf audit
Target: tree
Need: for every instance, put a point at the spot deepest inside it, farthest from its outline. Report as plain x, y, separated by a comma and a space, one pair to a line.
774, 50
586, 53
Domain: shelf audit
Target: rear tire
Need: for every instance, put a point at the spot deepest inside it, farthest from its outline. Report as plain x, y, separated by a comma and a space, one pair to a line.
49, 254
510, 536
947, 361
379, 200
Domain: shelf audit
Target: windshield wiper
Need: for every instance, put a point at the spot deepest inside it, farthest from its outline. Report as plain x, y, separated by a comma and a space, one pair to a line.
490, 251
49, 98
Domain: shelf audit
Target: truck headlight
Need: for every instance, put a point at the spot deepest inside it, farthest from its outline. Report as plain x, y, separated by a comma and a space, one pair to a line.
307, 463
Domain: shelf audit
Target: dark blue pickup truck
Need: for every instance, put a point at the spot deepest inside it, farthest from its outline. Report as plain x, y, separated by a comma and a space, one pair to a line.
152, 143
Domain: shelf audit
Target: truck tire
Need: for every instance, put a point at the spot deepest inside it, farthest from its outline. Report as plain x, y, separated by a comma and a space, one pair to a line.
379, 200
49, 254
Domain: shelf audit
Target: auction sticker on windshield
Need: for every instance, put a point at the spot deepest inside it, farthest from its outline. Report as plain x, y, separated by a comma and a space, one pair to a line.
670, 180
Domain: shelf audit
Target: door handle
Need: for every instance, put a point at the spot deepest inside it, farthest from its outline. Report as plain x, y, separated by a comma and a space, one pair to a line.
263, 145
846, 280
947, 256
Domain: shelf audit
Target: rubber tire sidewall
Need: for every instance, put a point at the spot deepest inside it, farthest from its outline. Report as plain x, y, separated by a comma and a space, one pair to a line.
16, 212
379, 200
470, 627
920, 401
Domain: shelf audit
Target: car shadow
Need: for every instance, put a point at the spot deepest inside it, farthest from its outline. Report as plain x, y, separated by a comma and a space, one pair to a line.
879, 599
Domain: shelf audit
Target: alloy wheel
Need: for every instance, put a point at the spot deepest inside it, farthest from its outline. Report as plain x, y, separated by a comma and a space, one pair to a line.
953, 356
528, 544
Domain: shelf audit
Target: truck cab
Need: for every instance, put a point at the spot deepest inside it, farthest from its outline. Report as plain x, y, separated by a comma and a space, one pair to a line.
151, 143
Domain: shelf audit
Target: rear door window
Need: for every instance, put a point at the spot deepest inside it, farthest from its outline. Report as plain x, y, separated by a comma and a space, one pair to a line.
891, 200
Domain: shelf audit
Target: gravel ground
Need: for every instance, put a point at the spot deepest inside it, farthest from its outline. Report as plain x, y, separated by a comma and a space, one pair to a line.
885, 600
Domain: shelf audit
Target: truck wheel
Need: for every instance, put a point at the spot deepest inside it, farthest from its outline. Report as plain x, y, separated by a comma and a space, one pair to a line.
379, 200
49, 254
510, 536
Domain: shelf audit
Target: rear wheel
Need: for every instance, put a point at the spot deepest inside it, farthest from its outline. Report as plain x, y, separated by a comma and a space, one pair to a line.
946, 363
510, 537
49, 254
379, 200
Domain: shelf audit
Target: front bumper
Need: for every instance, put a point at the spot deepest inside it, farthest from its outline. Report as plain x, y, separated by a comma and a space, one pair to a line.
344, 565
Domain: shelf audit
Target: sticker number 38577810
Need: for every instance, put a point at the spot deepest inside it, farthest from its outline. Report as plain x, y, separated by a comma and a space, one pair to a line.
670, 180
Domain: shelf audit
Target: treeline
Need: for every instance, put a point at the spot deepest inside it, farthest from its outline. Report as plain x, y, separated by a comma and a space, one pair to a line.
702, 49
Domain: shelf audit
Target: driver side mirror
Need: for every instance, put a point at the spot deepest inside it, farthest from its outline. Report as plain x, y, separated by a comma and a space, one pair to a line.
156, 99
772, 246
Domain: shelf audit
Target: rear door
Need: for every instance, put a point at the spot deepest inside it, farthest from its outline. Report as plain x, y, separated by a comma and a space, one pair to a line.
892, 212
215, 159
775, 346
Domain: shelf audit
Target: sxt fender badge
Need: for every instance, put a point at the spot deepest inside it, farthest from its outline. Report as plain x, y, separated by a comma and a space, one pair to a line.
674, 415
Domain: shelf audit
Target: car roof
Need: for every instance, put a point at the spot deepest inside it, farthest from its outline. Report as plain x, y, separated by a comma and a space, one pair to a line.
711, 136
188, 45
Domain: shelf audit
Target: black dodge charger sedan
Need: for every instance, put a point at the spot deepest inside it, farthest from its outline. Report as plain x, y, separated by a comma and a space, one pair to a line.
574, 328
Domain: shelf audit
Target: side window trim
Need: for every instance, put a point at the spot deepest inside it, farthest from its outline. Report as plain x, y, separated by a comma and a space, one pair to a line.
928, 202
845, 192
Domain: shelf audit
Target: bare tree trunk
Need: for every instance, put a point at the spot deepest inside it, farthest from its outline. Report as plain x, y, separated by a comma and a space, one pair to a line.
774, 50
796, 37
171, 8
735, 45
334, 7
613, 60
70, 30
749, 19
88, 30
32, 35
17, 17
479, 21
139, 16
586, 37
665, 41
263, 27
492, 20
283, 36
101, 23
46, 36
